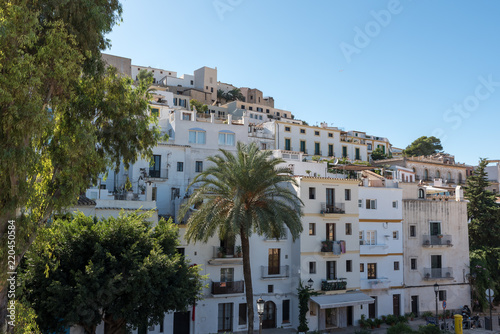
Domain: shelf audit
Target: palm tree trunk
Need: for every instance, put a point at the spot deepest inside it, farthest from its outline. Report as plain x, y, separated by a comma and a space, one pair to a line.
247, 275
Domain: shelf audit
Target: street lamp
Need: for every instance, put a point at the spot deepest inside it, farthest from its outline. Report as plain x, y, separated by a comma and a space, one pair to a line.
310, 283
260, 311
436, 290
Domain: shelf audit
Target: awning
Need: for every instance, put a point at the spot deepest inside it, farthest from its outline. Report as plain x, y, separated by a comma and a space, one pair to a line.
342, 300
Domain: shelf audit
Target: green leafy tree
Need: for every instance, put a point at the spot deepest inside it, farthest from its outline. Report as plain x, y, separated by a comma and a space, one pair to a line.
423, 146
483, 212
200, 107
118, 270
304, 293
145, 75
241, 194
378, 154
64, 117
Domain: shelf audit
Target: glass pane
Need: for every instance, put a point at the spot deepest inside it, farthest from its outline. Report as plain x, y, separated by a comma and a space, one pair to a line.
192, 137
230, 139
201, 137
222, 139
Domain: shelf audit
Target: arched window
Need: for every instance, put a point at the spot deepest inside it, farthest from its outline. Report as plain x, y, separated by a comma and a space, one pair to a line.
421, 193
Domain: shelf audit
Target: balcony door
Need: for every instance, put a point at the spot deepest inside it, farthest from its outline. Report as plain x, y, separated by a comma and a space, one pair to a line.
154, 166
330, 231
228, 245
435, 228
436, 266
273, 261
331, 270
330, 199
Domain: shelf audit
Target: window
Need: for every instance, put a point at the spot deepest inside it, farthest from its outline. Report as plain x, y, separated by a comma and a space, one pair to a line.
250, 108
372, 270
242, 314
242, 106
369, 147
226, 138
371, 204
396, 265
192, 82
312, 267
197, 136
421, 193
413, 231
175, 193
260, 117
330, 231
316, 133
395, 235
358, 156
226, 274
442, 295
371, 238
344, 151
361, 267
154, 194
155, 112
273, 261
154, 166
312, 228
287, 129
347, 194
270, 288
186, 116
330, 135
330, 270
198, 167
267, 111
330, 150
395, 204
286, 310
302, 130
360, 203
317, 150
312, 193
180, 166
361, 237
413, 264
288, 144
348, 266
303, 146
348, 229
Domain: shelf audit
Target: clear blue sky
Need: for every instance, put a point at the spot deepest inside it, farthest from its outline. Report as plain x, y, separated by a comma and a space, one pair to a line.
430, 68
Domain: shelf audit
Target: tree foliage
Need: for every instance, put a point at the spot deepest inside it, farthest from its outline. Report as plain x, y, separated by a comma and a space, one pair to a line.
117, 270
241, 194
200, 107
423, 146
483, 212
378, 154
232, 95
64, 117
145, 75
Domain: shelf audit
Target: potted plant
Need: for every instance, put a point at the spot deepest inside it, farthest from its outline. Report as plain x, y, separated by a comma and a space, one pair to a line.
440, 236
221, 251
142, 188
371, 323
238, 250
378, 322
128, 185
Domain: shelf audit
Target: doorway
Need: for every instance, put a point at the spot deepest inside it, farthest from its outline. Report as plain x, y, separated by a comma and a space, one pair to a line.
414, 305
181, 322
396, 304
269, 316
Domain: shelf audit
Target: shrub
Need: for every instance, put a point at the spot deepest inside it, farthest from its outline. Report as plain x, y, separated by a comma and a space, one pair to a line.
429, 329
400, 328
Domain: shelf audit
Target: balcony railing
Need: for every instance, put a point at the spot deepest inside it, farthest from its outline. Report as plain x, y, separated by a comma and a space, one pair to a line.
437, 240
275, 272
332, 208
158, 174
222, 252
431, 273
224, 288
333, 246
336, 284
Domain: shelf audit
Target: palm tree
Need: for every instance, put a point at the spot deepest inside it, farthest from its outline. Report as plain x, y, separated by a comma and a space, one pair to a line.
241, 194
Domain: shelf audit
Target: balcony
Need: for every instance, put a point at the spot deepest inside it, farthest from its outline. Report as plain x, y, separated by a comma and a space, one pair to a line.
224, 256
437, 240
433, 273
334, 285
333, 246
157, 175
225, 288
332, 208
275, 272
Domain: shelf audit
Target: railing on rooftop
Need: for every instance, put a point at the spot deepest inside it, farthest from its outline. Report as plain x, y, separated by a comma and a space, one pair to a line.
224, 288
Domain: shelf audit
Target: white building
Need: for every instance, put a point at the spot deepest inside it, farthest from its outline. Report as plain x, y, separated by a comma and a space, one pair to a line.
381, 244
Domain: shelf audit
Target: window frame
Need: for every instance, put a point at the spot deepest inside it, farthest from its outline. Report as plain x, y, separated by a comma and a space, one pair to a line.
371, 271
180, 166
312, 228
198, 168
